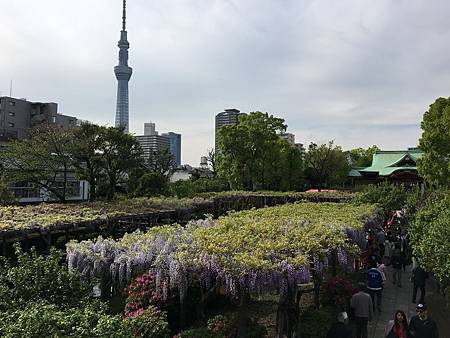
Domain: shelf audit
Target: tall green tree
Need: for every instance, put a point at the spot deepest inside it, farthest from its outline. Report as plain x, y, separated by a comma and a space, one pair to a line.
326, 165
43, 160
121, 153
434, 166
360, 157
88, 159
251, 154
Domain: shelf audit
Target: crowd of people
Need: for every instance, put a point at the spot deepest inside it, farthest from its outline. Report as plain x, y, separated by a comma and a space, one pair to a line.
387, 247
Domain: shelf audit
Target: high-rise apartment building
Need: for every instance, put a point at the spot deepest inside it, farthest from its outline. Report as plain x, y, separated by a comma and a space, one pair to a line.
288, 137
150, 129
123, 74
17, 116
227, 117
152, 143
175, 145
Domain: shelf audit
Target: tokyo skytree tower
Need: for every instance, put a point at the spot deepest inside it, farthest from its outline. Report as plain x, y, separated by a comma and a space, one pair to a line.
123, 74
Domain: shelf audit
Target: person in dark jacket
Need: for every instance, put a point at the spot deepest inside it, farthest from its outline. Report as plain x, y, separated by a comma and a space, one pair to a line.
419, 279
340, 329
397, 265
422, 326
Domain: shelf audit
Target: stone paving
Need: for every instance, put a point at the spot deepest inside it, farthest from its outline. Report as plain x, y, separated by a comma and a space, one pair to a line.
396, 298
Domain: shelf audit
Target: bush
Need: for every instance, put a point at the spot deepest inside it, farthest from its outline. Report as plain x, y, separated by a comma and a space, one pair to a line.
387, 196
141, 293
316, 323
112, 327
150, 322
220, 325
193, 187
39, 319
197, 333
35, 278
338, 291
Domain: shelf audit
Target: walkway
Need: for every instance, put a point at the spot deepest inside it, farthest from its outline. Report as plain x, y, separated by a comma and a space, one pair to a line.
395, 298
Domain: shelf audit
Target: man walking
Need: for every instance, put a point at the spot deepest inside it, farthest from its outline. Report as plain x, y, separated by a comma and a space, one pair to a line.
397, 264
421, 325
375, 285
340, 329
362, 306
419, 279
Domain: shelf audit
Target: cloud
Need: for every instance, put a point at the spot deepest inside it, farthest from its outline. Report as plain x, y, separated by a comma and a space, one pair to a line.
360, 72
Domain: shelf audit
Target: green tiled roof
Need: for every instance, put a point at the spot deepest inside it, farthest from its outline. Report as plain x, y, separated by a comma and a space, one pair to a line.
386, 163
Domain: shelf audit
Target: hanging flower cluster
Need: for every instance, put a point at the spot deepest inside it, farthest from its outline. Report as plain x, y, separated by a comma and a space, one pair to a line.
260, 250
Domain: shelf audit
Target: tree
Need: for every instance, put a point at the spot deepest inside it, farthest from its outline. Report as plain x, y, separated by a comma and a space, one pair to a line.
211, 160
162, 163
88, 160
326, 165
43, 160
434, 166
360, 157
122, 153
250, 153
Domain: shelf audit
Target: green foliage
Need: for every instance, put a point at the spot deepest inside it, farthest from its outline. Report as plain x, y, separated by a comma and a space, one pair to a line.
112, 327
87, 158
44, 215
259, 240
43, 160
39, 278
122, 153
38, 319
388, 196
150, 322
430, 235
191, 188
220, 325
326, 165
39, 297
148, 184
434, 166
252, 155
197, 333
360, 157
6, 195
316, 323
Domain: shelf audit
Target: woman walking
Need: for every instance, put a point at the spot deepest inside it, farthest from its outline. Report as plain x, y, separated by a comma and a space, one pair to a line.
398, 328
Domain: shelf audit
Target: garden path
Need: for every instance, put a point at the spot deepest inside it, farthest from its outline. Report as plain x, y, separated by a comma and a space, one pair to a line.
396, 298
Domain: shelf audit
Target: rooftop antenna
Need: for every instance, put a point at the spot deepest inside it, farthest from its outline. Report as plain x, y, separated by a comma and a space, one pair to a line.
10, 88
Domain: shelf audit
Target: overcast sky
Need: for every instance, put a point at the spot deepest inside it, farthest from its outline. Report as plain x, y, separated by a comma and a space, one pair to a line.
359, 72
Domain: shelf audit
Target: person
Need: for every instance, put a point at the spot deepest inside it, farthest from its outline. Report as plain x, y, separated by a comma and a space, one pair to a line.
419, 279
387, 252
340, 328
381, 237
398, 328
375, 285
397, 265
362, 306
422, 326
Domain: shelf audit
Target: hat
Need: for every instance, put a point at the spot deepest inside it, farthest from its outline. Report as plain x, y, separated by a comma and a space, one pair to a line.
421, 306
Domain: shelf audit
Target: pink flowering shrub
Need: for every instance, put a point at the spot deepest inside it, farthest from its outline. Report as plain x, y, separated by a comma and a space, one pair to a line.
141, 293
339, 291
151, 322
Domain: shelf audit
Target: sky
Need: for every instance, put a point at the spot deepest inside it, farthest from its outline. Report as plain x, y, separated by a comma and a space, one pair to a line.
359, 72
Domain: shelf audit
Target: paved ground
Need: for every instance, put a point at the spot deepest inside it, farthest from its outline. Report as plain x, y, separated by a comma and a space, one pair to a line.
396, 298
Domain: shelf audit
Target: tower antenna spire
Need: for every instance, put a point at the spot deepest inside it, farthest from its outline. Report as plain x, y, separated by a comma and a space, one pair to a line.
124, 15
